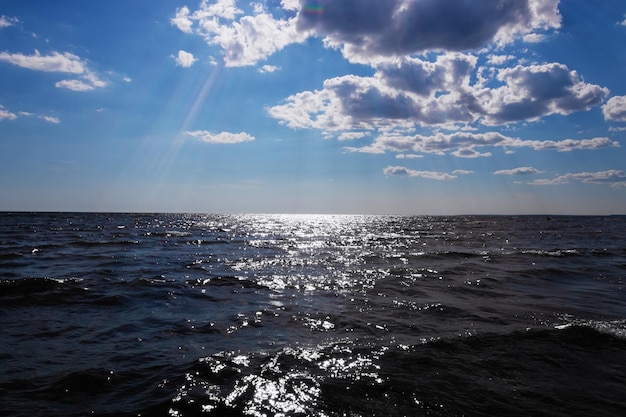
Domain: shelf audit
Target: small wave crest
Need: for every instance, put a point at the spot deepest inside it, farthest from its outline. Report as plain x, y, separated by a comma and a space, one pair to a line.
615, 328
35, 285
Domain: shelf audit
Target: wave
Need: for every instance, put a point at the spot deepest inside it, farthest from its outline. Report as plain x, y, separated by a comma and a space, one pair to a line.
35, 285
546, 371
54, 292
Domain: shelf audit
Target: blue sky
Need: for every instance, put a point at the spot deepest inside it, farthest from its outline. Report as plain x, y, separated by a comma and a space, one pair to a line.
297, 106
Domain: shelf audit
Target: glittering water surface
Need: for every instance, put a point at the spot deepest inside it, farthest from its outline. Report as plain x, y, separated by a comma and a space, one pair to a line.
263, 315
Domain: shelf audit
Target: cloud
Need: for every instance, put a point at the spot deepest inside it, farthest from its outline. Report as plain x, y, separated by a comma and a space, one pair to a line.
352, 135
223, 137
182, 20
347, 103
5, 21
185, 59
87, 83
565, 145
314, 109
244, 40
470, 153
536, 91
462, 172
433, 67
447, 89
225, 9
55, 62
268, 68
534, 38
464, 144
438, 144
74, 85
252, 38
615, 109
364, 29
613, 176
425, 78
50, 119
291, 5
499, 59
445, 92
406, 172
519, 171
5, 114
66, 63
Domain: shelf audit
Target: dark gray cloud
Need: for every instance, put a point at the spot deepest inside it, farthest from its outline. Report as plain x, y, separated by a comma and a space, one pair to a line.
412, 76
365, 102
425, 78
539, 90
524, 109
399, 27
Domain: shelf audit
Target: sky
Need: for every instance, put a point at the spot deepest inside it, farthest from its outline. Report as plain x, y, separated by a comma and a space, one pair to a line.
313, 106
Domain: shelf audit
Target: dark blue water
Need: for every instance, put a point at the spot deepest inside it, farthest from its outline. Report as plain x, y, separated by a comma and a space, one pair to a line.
264, 315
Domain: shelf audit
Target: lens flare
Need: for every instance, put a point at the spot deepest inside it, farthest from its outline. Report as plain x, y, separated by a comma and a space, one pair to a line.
313, 8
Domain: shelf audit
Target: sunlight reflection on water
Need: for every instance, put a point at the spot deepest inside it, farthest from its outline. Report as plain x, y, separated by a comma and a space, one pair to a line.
287, 383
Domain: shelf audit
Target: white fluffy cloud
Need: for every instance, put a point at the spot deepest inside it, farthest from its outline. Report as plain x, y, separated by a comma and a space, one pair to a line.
86, 83
615, 109
185, 59
5, 114
268, 68
406, 172
66, 63
55, 62
519, 171
244, 40
182, 20
464, 144
222, 137
613, 176
499, 59
5, 21
50, 119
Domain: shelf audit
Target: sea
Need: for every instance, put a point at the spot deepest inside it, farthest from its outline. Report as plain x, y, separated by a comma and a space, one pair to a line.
112, 314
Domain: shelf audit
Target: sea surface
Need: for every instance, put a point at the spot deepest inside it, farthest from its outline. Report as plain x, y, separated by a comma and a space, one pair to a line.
297, 315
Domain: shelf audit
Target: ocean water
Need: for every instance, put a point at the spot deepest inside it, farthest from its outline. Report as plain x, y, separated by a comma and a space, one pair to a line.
294, 315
